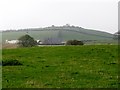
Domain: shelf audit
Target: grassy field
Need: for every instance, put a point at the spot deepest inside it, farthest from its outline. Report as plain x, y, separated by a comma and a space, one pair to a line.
86, 66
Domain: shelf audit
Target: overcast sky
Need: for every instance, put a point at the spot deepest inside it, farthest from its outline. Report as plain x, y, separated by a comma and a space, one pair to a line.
91, 14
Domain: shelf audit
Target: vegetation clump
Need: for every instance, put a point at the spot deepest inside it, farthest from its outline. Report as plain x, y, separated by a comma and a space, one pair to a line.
27, 41
117, 36
74, 42
11, 62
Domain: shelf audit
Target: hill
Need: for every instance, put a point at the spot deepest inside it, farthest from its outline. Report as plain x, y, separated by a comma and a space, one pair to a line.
63, 32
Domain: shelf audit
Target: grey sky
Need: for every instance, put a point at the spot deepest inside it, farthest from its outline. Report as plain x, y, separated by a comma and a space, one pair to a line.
92, 14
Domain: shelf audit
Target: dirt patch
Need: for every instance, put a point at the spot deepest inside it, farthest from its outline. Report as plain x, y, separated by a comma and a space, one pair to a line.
9, 46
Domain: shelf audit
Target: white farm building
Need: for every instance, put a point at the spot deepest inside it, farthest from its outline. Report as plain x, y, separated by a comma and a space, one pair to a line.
12, 41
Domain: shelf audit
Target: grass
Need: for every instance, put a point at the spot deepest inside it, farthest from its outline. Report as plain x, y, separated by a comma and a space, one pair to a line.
62, 67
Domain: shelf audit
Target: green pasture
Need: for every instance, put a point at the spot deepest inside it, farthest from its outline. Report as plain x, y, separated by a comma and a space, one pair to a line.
88, 66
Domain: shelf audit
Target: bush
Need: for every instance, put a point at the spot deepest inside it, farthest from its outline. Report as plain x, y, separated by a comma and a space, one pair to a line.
27, 41
11, 62
117, 36
74, 42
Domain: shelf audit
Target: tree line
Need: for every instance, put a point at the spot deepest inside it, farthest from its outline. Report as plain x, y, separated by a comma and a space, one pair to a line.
28, 41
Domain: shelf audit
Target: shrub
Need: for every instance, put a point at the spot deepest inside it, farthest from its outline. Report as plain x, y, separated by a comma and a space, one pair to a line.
116, 36
74, 42
27, 41
11, 62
